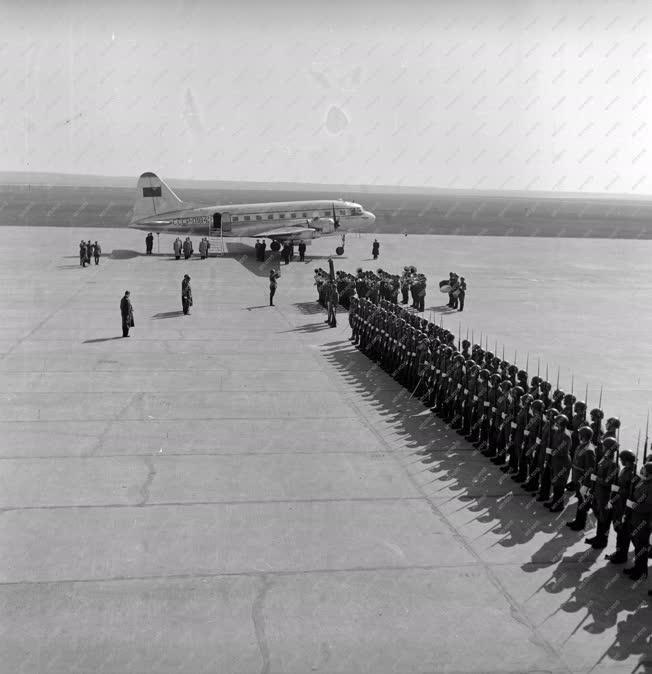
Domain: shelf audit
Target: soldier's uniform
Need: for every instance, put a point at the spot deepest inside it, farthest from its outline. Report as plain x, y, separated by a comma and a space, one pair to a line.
605, 475
583, 467
545, 452
560, 463
640, 508
621, 492
527, 466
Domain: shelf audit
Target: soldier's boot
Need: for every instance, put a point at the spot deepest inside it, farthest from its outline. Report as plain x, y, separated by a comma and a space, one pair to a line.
639, 570
623, 539
579, 522
601, 538
557, 501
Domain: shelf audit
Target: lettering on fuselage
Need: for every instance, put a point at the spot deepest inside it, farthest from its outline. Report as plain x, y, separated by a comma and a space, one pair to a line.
195, 220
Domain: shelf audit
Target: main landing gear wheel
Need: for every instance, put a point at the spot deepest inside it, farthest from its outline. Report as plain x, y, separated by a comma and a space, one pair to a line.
340, 250
275, 246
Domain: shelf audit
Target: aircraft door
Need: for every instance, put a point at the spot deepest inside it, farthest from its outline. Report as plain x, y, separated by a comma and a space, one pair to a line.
217, 222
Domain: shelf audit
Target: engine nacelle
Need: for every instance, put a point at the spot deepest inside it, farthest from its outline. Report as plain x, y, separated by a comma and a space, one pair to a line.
323, 225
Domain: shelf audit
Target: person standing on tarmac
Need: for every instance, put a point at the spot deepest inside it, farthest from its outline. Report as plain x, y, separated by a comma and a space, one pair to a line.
177, 246
462, 293
149, 243
375, 249
333, 299
127, 313
273, 275
302, 251
97, 251
186, 295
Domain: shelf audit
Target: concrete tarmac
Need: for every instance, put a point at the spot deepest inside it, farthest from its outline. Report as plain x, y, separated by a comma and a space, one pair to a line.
240, 490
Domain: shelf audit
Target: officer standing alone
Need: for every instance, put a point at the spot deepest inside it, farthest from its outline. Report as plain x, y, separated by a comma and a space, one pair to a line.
186, 295
273, 275
127, 313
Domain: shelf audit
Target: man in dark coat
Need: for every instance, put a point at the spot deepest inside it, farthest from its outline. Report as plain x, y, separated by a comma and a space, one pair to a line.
186, 295
127, 313
149, 243
273, 275
375, 249
302, 251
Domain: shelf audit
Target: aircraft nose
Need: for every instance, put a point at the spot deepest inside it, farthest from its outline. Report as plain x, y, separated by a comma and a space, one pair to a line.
369, 216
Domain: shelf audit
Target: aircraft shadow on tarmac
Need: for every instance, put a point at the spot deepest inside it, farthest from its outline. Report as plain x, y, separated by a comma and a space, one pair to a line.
168, 314
604, 594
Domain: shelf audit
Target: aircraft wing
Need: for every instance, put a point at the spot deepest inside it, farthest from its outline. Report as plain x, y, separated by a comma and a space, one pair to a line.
287, 233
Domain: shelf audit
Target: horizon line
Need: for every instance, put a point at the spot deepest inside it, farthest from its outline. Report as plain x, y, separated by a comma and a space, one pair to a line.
369, 188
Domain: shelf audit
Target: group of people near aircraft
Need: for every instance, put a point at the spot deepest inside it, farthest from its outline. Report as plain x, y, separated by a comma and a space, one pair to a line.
88, 250
186, 248
547, 440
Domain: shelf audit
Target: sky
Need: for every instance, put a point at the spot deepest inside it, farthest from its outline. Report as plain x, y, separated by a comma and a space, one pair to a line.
492, 94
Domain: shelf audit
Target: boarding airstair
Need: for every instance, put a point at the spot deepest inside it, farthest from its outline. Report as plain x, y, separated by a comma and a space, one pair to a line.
218, 246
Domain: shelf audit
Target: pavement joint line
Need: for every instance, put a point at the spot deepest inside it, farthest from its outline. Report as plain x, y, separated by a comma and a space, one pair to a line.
279, 573
167, 418
184, 504
67, 457
239, 574
517, 611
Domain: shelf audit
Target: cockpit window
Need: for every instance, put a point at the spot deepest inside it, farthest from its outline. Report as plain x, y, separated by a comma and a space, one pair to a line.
356, 211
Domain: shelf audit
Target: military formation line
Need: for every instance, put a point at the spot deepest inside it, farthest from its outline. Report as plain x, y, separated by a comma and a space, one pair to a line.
547, 441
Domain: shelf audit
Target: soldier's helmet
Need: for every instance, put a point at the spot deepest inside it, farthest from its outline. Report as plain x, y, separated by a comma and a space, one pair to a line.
597, 414
580, 407
448, 350
558, 394
470, 363
484, 373
459, 358
610, 444
561, 420
518, 392
537, 406
545, 386
512, 369
526, 399
488, 355
505, 385
613, 422
585, 433
466, 344
627, 456
522, 375
552, 412
535, 381
413, 270
406, 269
359, 270
495, 379
646, 469
569, 400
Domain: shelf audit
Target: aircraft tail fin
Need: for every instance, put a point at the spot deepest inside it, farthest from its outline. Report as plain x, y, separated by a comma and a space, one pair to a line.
154, 197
